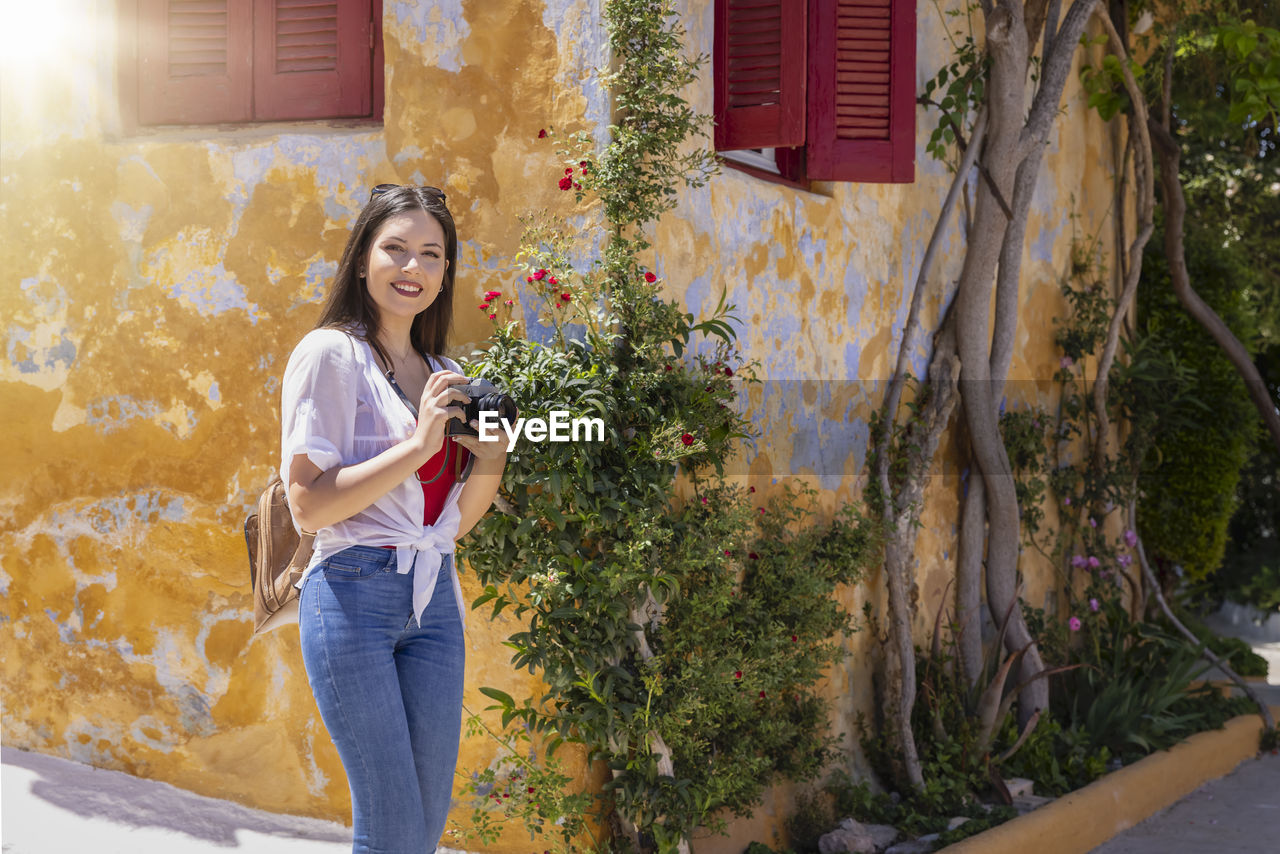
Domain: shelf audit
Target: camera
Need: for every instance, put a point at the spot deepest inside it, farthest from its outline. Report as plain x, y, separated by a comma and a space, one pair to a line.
483, 396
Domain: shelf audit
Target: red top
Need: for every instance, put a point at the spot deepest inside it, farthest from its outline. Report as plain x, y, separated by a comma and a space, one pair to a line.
454, 459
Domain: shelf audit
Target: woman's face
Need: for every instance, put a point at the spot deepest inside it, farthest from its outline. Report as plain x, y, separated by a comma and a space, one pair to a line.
405, 268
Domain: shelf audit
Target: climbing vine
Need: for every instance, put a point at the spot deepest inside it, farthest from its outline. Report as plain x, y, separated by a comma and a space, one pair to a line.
680, 624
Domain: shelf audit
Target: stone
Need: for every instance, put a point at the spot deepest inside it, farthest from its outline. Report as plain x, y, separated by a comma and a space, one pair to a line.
849, 838
957, 821
1019, 786
1027, 803
883, 834
921, 845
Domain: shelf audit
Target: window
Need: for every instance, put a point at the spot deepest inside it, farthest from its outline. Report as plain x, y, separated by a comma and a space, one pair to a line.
828, 85
214, 61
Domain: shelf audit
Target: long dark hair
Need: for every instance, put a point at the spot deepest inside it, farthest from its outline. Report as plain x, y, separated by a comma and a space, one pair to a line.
348, 305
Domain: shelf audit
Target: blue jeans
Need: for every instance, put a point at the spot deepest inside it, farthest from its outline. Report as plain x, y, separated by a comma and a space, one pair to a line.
389, 692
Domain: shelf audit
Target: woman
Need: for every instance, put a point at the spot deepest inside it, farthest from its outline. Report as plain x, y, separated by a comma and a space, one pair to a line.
380, 609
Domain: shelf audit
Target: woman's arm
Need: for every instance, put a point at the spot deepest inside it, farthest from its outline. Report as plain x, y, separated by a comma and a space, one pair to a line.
486, 476
322, 498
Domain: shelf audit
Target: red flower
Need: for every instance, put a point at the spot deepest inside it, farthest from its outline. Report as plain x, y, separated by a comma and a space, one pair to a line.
568, 170
761, 695
668, 368
531, 790
492, 316
539, 275
687, 439
728, 372
582, 163
553, 281
794, 638
528, 278
761, 511
566, 183
728, 553
751, 489
510, 302
484, 306
650, 278
565, 297
704, 499
577, 186
492, 294
542, 134
737, 674
753, 555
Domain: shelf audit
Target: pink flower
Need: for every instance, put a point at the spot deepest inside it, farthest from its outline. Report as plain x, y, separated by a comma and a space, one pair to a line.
650, 278
704, 498
1093, 604
1066, 362
1094, 563
1074, 624
687, 439
761, 511
509, 302
1130, 538
566, 183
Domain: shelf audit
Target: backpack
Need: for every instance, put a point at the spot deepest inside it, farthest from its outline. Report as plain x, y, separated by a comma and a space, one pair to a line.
277, 558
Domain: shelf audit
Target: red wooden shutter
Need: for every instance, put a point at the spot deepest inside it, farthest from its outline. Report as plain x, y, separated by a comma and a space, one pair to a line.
862, 72
312, 59
759, 73
194, 61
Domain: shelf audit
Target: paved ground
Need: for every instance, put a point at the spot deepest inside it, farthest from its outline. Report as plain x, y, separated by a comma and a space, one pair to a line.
1237, 814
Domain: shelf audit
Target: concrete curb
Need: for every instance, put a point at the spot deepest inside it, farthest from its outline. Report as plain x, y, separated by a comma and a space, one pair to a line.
1082, 820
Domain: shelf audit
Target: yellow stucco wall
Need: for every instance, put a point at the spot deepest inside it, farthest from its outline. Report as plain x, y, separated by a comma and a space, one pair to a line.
155, 283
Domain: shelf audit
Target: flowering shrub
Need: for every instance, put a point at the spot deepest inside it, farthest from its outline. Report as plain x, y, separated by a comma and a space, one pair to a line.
680, 639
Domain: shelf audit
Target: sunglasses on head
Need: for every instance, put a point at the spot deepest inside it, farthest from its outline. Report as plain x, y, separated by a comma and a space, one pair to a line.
386, 188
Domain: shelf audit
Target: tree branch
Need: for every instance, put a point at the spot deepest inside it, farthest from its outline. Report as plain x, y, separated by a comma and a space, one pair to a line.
1053, 75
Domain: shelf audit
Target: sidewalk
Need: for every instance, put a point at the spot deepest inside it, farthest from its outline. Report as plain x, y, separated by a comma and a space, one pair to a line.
1235, 814
54, 806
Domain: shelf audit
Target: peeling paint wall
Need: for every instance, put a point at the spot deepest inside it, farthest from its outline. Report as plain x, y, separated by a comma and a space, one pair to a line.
155, 283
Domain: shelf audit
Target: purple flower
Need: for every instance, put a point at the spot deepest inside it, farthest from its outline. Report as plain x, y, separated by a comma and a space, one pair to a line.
1093, 562
1066, 362
1093, 523
1078, 561
1124, 560
1067, 501
1093, 604
1130, 538
1074, 624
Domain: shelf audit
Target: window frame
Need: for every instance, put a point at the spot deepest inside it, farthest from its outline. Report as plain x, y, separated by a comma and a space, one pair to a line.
128, 56
830, 150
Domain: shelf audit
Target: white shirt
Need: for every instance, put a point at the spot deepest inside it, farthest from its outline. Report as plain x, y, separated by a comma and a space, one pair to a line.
338, 408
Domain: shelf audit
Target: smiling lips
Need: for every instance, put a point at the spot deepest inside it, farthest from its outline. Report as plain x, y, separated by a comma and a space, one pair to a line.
406, 288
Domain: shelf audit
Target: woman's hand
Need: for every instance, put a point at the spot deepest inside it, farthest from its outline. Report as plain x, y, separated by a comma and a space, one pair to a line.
434, 410
483, 451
